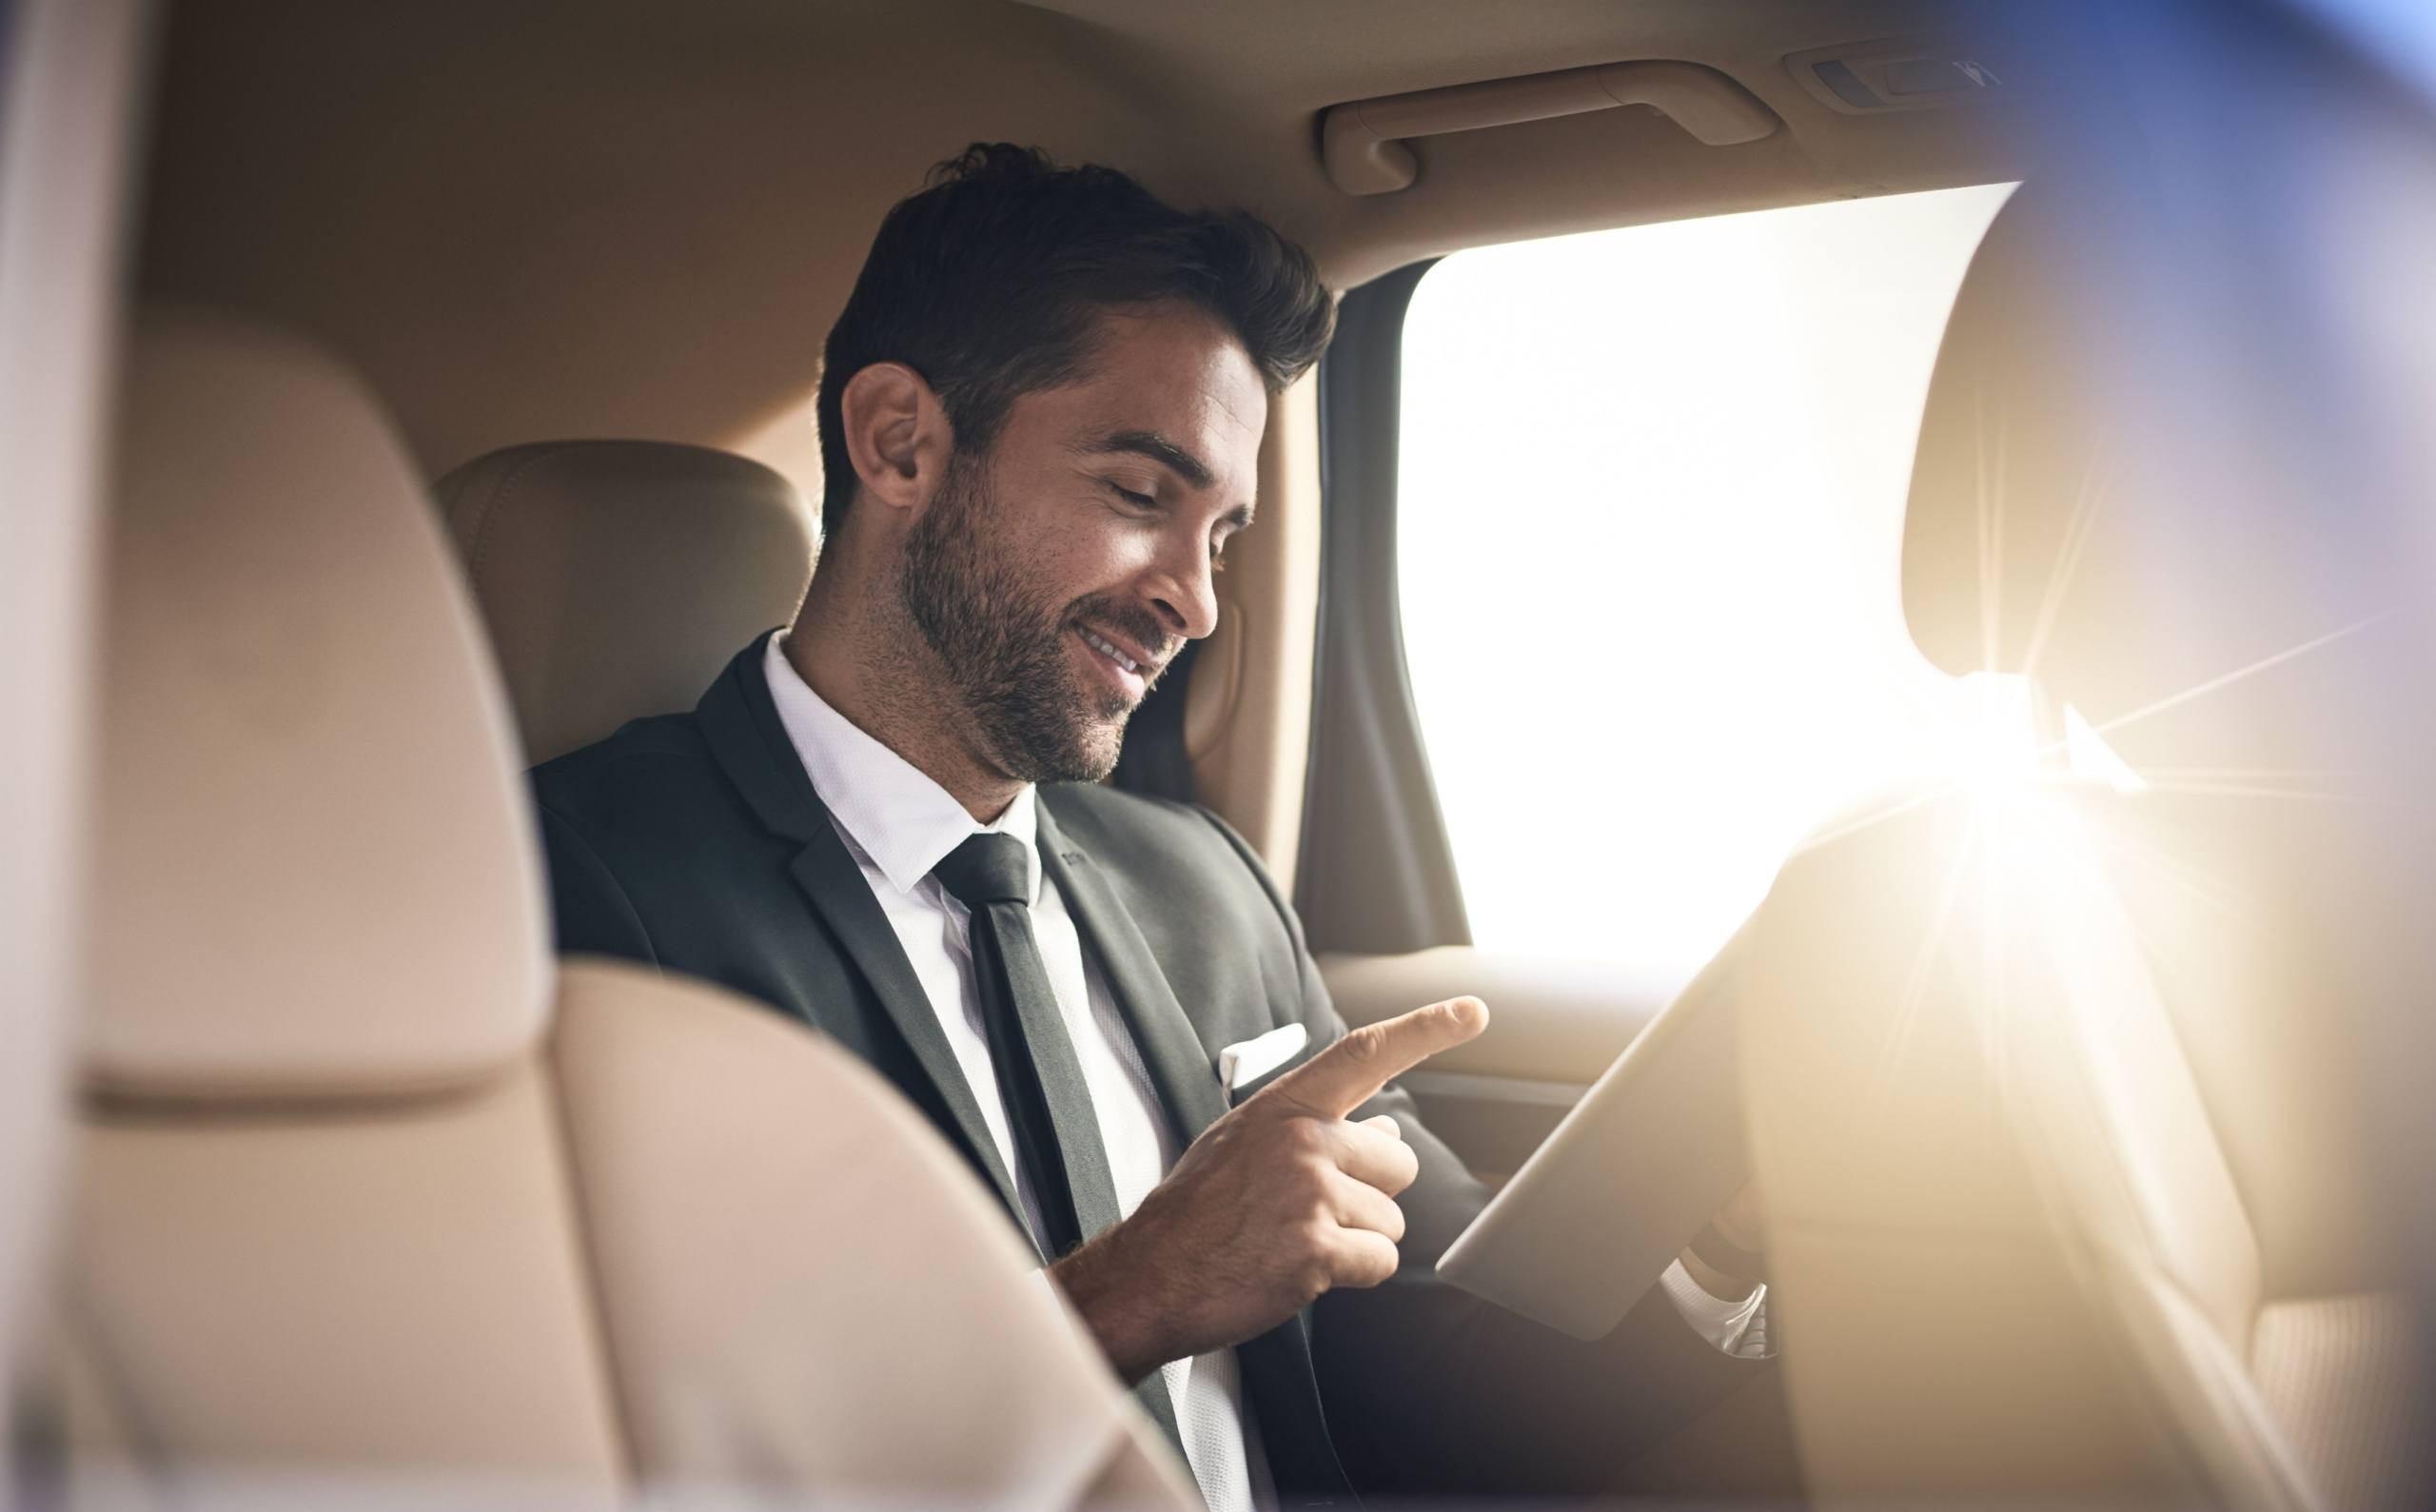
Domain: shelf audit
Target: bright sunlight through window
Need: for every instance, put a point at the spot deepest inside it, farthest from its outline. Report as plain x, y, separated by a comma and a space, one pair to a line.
1651, 497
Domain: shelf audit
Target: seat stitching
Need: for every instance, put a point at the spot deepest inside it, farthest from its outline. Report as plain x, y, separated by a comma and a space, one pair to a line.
496, 504
623, 1412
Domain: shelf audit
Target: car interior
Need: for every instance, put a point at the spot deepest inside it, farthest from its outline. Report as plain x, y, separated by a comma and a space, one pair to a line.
395, 397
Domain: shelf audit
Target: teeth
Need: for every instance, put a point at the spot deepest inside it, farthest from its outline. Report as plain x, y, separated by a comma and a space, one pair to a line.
1111, 652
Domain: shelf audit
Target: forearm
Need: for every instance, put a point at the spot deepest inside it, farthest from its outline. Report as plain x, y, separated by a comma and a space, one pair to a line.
1120, 1314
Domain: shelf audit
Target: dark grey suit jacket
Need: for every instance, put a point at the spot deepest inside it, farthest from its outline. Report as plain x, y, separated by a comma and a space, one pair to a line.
696, 843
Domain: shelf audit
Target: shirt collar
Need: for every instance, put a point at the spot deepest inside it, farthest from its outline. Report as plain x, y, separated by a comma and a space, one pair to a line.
888, 807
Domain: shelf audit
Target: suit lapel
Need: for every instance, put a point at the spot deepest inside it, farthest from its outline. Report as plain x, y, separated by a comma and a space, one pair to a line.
1180, 1066
746, 736
836, 887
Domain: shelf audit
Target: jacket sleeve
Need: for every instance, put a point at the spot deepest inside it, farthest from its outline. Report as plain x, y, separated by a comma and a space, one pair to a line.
591, 912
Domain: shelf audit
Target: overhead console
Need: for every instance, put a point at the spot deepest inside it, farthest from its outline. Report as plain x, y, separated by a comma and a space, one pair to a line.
1362, 141
1898, 73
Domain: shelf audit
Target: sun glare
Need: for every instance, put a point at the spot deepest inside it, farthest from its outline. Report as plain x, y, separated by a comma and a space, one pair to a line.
1993, 751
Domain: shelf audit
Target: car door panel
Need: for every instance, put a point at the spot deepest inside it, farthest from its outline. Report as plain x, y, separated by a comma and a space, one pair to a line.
1554, 1027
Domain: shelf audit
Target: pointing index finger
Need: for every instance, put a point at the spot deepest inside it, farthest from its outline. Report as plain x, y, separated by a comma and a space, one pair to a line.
1349, 1072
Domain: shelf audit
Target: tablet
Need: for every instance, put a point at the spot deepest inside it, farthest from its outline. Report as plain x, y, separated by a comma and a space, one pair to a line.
1634, 1171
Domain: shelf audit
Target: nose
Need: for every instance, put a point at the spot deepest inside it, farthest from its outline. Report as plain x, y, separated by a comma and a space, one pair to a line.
1183, 594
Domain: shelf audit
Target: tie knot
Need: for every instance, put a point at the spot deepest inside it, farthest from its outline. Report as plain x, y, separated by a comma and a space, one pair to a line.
986, 869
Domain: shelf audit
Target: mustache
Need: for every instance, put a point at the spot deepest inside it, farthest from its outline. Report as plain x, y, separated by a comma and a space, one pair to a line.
1134, 624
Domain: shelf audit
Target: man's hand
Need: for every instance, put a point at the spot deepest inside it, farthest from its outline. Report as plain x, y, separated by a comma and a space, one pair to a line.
1274, 1204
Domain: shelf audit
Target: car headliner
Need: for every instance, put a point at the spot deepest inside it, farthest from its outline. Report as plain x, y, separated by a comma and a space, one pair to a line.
630, 218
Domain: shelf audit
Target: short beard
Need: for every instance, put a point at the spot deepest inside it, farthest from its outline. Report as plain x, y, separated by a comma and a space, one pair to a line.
1004, 647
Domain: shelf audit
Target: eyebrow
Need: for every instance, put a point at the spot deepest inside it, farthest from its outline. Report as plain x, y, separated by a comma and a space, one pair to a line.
1159, 449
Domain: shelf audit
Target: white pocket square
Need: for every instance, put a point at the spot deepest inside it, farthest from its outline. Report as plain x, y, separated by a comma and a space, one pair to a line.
1240, 1065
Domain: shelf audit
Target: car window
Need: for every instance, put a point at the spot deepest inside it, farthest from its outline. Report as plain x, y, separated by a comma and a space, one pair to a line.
1649, 519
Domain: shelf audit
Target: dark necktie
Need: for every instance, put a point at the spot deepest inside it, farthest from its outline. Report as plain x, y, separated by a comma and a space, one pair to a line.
1049, 1107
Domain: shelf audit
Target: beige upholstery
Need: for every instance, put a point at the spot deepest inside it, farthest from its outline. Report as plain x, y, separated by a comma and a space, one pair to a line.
918, 1347
346, 1288
291, 698
2063, 1197
617, 577
363, 1189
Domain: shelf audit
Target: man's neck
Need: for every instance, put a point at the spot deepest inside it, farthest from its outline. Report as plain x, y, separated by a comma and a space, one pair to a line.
874, 679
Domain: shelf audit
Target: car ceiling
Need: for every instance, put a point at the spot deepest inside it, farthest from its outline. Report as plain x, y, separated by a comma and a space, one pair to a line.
628, 218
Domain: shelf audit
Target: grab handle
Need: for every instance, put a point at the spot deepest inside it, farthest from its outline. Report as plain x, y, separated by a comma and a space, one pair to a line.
1362, 141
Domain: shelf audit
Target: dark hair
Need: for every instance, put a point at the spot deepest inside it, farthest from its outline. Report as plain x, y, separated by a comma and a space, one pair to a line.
988, 281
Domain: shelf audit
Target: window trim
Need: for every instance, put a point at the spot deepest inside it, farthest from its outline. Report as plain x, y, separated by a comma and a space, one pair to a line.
1378, 872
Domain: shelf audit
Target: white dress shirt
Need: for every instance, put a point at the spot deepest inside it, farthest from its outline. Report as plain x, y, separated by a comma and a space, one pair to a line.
898, 824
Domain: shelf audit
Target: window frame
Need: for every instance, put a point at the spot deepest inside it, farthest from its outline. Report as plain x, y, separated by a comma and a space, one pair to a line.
1377, 873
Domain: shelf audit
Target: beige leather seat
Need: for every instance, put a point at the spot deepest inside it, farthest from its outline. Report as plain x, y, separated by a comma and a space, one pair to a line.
617, 577
2047, 1079
368, 1185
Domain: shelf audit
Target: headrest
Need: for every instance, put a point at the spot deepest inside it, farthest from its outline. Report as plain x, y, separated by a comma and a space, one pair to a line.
2133, 481
2119, 489
617, 577
316, 875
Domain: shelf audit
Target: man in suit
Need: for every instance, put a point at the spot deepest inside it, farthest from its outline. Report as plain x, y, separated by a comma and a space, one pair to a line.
1041, 413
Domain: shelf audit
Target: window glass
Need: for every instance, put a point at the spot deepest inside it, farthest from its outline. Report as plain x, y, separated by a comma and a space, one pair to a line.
1652, 487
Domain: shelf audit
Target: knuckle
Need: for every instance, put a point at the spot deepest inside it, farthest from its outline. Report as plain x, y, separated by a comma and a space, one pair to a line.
1363, 1044
1314, 1281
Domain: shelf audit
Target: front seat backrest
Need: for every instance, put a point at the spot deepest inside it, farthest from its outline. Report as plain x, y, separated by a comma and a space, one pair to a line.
367, 1184
617, 577
2063, 1199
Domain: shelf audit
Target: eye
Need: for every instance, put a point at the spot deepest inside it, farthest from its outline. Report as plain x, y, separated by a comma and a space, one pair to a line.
1137, 499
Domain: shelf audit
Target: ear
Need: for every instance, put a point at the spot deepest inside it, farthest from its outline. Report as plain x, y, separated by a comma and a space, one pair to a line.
897, 434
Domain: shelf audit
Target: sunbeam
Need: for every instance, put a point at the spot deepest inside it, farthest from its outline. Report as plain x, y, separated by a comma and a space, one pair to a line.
2077, 528
2227, 679
1907, 1008
1878, 816
2233, 789
2031, 764
2259, 775
1990, 514
2209, 888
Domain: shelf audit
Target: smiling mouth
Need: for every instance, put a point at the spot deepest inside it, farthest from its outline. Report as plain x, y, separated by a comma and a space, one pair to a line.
1106, 648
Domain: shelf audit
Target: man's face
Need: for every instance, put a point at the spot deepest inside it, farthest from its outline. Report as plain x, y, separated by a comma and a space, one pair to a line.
1057, 576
